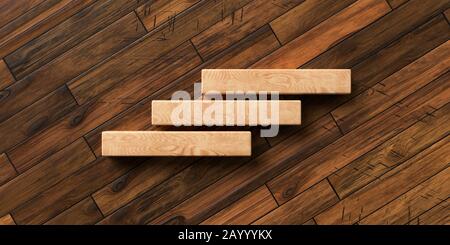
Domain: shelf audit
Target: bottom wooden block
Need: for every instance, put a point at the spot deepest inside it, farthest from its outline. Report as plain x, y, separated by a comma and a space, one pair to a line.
176, 143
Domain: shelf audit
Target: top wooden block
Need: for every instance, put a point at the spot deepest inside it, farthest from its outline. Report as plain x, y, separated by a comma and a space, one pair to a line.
283, 81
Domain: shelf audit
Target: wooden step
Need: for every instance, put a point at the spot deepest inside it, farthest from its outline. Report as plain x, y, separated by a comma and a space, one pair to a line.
284, 81
251, 113
176, 143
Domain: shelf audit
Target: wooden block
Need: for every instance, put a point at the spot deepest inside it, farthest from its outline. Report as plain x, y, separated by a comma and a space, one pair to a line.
139, 143
232, 112
284, 81
7, 220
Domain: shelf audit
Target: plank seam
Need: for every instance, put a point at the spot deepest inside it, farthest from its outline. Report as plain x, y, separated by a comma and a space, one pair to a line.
196, 50
271, 193
10, 163
278, 40
332, 187
337, 124
140, 20
424, 212
367, 215
96, 205
10, 72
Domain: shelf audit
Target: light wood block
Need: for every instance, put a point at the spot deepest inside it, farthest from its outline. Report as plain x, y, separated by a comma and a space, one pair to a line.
226, 112
176, 143
284, 81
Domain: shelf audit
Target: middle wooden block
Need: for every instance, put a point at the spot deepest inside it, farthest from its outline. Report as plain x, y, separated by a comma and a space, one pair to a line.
226, 112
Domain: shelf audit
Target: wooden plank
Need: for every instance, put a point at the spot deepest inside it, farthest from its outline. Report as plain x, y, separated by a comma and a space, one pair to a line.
7, 171
393, 89
305, 16
89, 116
68, 34
396, 3
438, 215
181, 186
6, 77
7, 220
69, 191
71, 64
246, 210
239, 24
241, 55
36, 22
447, 14
36, 117
303, 207
398, 54
373, 69
360, 141
179, 143
154, 13
11, 9
310, 222
42, 176
414, 202
153, 46
325, 35
139, 180
283, 112
378, 35
82, 213
390, 186
283, 81
392, 153
243, 179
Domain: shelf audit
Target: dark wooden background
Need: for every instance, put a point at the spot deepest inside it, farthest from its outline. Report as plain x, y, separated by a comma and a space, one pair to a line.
71, 69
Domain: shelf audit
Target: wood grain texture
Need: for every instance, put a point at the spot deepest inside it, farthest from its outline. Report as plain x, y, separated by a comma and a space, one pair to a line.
181, 186
181, 143
243, 53
354, 144
414, 202
36, 117
68, 34
438, 215
283, 81
393, 152
396, 3
122, 65
83, 213
239, 24
71, 64
252, 175
246, 210
306, 16
393, 89
7, 171
7, 220
241, 113
25, 28
11, 9
38, 179
303, 207
350, 19
6, 78
447, 14
87, 117
386, 189
154, 13
153, 46
68, 192
381, 33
